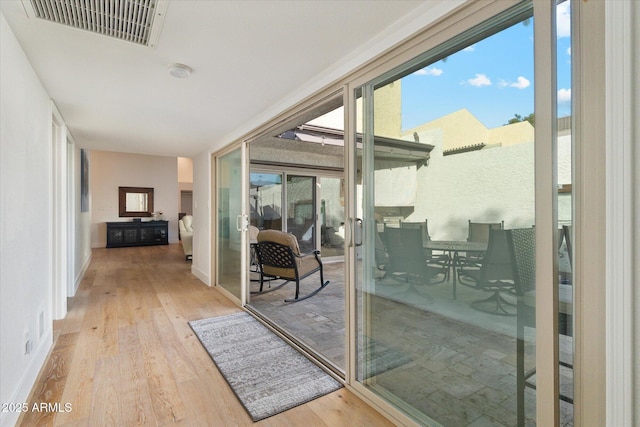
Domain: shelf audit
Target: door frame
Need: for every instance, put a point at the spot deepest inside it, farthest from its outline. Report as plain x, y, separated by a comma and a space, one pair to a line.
306, 172
242, 220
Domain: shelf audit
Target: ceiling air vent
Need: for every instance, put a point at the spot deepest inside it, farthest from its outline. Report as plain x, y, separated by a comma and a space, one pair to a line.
136, 21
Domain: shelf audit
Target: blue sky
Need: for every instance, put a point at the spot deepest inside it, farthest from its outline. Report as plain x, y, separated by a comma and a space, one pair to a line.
493, 79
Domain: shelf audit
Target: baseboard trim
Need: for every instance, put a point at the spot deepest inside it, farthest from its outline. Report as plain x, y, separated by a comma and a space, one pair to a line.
28, 380
81, 274
204, 277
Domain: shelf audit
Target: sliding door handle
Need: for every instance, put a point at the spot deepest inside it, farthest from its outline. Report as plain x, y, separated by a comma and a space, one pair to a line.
357, 232
242, 222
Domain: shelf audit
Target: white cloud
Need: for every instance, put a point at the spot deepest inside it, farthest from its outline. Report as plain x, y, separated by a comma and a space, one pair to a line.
433, 71
564, 95
522, 83
479, 80
563, 19
469, 48
569, 51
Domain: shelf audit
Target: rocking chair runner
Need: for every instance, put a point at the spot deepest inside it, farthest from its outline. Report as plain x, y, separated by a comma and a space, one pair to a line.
280, 258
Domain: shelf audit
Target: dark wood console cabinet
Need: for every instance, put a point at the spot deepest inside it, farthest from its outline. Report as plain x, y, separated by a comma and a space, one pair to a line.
137, 233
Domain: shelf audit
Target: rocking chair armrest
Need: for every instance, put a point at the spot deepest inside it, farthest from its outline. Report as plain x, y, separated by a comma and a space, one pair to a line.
314, 252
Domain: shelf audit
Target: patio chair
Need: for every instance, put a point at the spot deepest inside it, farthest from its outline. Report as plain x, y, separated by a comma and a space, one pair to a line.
407, 258
521, 243
279, 258
492, 273
477, 232
441, 259
381, 255
253, 240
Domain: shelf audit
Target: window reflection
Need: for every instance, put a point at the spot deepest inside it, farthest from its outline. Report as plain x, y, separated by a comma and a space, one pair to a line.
442, 306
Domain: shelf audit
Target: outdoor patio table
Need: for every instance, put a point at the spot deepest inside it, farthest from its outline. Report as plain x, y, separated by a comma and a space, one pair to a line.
454, 247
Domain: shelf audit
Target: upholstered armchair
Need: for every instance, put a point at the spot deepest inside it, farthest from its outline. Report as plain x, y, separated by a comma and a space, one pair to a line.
186, 235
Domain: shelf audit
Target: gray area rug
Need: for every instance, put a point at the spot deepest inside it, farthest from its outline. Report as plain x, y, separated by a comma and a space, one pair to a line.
267, 374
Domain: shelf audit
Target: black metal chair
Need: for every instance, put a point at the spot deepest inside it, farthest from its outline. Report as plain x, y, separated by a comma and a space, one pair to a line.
491, 273
407, 260
477, 232
439, 258
279, 258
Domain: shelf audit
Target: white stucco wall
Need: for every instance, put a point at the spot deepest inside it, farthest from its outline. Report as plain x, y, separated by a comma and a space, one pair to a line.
489, 185
110, 170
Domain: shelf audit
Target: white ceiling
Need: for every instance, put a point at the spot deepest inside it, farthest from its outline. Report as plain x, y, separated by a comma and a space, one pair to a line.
250, 60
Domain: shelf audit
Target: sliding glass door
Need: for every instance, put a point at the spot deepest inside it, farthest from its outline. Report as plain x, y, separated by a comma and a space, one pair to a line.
230, 223
446, 323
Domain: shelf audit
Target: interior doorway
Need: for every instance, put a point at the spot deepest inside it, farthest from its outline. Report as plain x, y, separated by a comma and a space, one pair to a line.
186, 202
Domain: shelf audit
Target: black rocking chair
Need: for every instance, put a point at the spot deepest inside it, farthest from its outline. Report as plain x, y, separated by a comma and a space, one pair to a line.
279, 258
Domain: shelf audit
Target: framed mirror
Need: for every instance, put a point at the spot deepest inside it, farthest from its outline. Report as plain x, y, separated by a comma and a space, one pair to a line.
135, 201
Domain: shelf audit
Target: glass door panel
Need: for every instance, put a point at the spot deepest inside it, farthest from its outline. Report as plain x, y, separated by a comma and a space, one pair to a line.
229, 203
265, 200
565, 213
332, 216
441, 313
297, 174
301, 210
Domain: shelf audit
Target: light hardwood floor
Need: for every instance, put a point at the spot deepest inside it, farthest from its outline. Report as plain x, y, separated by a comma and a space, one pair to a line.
125, 355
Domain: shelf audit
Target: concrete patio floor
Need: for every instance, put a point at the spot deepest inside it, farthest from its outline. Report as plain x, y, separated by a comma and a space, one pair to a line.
458, 363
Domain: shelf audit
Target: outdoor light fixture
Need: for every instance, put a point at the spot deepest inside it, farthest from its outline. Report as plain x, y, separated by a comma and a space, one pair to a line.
179, 71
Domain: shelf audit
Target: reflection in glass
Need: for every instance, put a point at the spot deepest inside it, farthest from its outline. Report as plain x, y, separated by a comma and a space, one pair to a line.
301, 210
439, 356
137, 202
265, 200
332, 216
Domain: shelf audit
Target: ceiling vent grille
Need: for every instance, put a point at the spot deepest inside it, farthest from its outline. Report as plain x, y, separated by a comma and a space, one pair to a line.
135, 21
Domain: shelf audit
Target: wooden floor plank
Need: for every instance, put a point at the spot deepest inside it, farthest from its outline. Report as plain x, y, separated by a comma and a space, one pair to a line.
106, 404
125, 354
165, 398
136, 406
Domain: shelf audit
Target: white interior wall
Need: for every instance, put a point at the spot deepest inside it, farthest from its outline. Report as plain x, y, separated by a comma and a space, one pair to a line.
82, 230
26, 227
185, 170
202, 229
110, 170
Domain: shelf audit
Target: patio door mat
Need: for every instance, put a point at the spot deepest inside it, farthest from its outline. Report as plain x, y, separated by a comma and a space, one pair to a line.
267, 375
